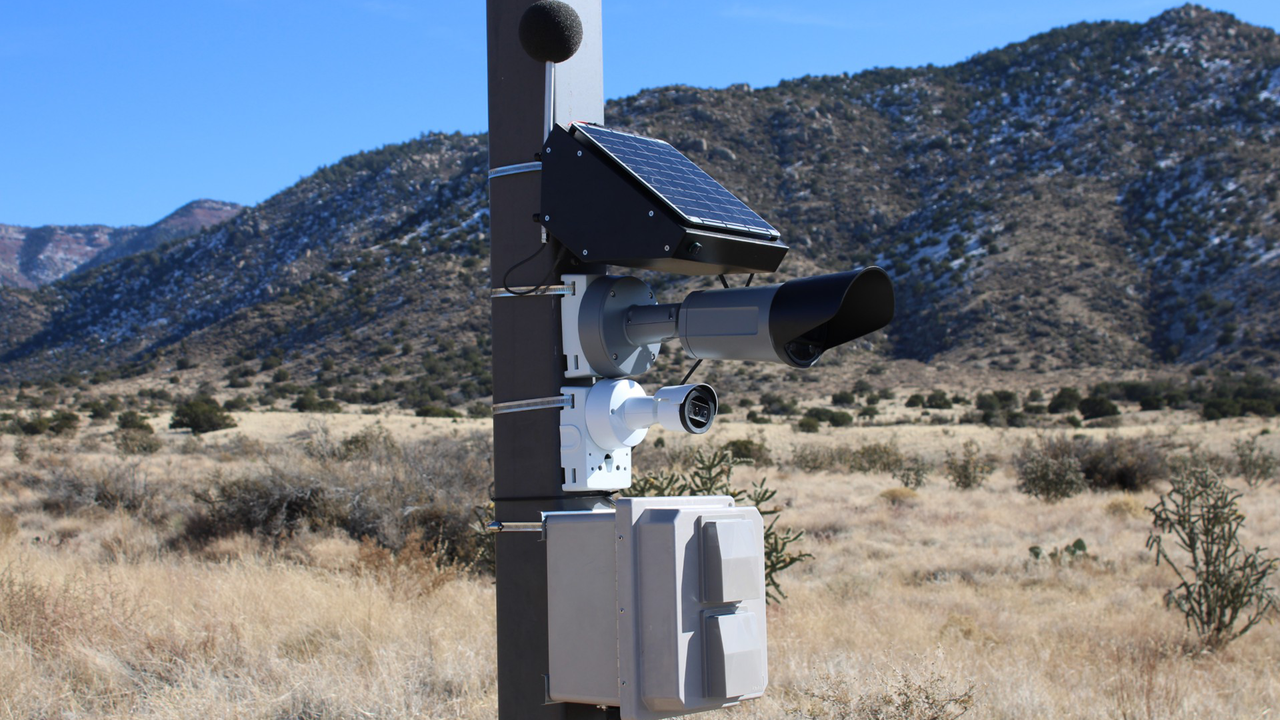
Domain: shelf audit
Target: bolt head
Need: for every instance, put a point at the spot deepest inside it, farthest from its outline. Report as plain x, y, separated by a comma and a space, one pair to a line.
584, 252
650, 213
579, 153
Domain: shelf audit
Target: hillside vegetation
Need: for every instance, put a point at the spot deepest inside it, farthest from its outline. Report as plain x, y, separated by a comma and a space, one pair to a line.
1101, 196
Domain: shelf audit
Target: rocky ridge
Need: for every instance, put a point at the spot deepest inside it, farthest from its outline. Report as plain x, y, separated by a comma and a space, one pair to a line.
1102, 195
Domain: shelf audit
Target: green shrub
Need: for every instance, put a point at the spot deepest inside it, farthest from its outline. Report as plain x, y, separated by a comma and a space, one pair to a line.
878, 457
310, 402
746, 448
840, 419
913, 472
132, 420
435, 411
844, 397
64, 422
1120, 463
969, 468
808, 425
1223, 589
1097, 407
938, 400
137, 442
915, 400
201, 415
1049, 469
1067, 399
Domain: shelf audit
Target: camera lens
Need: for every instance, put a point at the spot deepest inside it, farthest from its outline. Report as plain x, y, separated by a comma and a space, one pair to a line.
698, 409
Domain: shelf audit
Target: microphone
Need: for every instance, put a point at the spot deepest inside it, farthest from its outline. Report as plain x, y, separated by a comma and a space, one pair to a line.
550, 31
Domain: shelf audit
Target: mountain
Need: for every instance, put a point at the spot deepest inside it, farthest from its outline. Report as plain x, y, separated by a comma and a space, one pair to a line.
1102, 195
30, 257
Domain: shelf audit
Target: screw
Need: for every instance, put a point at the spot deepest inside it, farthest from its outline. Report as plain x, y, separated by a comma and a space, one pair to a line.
619, 537
615, 356
613, 293
650, 213
584, 252
666, 248
579, 153
653, 356
548, 150
650, 296
546, 218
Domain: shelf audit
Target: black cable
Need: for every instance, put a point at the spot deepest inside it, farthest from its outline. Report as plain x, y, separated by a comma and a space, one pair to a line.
689, 374
541, 284
693, 369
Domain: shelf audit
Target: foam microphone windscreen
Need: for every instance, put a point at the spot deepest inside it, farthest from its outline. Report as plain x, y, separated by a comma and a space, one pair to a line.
550, 31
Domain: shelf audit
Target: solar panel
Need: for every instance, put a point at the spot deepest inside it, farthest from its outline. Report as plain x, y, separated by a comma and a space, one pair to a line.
680, 183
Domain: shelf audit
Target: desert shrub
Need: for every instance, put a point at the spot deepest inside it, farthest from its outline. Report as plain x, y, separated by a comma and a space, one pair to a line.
911, 694
366, 485
271, 505
201, 415
844, 397
436, 411
712, 474
113, 486
754, 450
969, 468
882, 457
840, 419
134, 421
915, 400
1119, 463
137, 442
1223, 588
1097, 407
869, 412
1067, 399
417, 569
310, 402
808, 425
1049, 469
775, 404
1254, 464
938, 400
913, 473
816, 458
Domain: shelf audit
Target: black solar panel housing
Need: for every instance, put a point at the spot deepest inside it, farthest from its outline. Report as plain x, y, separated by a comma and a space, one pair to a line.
613, 198
674, 178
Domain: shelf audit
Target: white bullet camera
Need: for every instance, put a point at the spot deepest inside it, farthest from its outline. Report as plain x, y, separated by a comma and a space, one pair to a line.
606, 420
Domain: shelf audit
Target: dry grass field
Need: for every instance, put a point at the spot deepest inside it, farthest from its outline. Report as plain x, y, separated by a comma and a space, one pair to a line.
112, 605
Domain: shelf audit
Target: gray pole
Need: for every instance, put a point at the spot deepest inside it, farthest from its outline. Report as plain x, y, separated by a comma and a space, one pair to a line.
528, 361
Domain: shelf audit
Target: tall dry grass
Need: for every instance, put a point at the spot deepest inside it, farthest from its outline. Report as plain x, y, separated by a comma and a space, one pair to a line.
906, 608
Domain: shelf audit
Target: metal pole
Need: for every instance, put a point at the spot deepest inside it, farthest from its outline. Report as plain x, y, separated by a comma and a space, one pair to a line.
527, 355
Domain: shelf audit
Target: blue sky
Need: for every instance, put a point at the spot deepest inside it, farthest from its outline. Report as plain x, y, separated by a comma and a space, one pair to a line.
120, 112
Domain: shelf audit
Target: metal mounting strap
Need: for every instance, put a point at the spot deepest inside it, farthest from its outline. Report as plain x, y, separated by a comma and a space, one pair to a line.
515, 169
555, 402
524, 291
